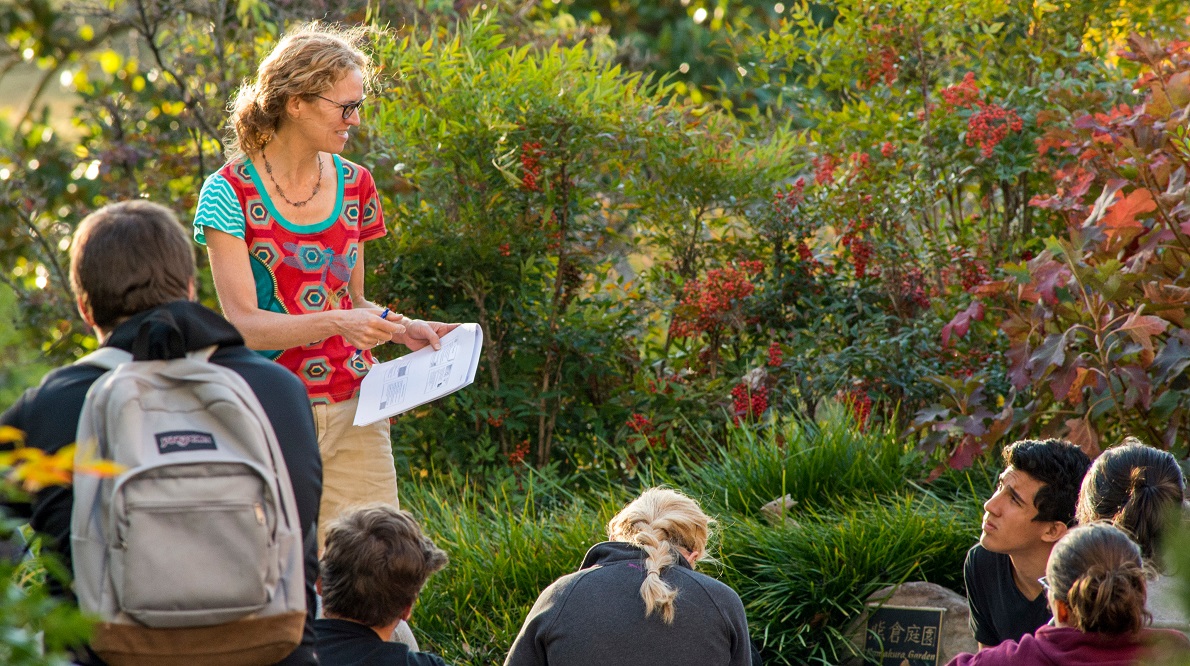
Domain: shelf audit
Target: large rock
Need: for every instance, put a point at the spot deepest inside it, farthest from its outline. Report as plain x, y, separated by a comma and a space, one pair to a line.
777, 512
956, 631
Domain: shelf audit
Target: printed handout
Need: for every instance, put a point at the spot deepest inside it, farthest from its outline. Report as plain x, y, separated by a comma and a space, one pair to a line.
419, 377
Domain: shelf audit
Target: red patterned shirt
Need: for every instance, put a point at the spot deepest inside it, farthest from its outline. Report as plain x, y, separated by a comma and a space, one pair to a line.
300, 269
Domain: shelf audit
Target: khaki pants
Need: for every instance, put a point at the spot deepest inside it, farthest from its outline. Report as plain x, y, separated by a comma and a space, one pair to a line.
357, 463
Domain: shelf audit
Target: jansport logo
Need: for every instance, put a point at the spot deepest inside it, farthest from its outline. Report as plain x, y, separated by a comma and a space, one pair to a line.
184, 440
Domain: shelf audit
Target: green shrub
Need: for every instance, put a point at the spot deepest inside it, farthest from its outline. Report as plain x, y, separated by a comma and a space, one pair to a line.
823, 464
803, 586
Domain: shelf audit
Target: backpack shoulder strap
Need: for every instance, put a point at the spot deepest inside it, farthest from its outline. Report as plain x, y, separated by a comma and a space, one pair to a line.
106, 357
110, 357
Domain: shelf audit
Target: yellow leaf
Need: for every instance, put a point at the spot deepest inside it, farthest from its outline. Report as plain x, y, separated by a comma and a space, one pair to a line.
10, 435
101, 468
38, 470
64, 458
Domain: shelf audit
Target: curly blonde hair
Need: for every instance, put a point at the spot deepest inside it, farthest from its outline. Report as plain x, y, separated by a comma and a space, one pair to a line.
308, 61
659, 522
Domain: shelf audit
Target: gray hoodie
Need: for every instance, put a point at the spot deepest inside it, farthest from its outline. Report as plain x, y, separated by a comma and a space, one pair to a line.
595, 616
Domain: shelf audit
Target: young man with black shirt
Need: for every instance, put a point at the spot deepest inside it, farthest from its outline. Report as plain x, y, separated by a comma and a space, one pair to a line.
132, 271
374, 565
1031, 509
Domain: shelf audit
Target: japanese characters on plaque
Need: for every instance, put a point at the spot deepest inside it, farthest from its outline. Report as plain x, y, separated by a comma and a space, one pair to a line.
904, 636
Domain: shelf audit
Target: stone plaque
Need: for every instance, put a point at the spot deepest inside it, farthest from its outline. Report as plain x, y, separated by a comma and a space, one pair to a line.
905, 636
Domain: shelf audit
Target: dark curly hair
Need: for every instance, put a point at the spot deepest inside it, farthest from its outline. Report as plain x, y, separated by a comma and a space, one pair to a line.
1059, 466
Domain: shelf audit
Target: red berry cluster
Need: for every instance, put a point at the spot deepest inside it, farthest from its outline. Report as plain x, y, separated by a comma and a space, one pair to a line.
881, 56
882, 66
496, 420
517, 456
553, 232
531, 165
860, 160
710, 299
972, 271
792, 195
505, 249
913, 288
748, 403
786, 202
824, 169
861, 248
804, 253
859, 403
774, 355
989, 127
962, 95
644, 427
640, 424
887, 149
753, 267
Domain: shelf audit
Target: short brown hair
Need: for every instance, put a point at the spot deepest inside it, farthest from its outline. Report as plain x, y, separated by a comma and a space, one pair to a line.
1097, 570
376, 561
308, 61
129, 257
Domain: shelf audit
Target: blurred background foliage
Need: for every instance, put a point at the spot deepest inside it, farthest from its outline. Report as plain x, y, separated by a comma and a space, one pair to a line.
693, 233
667, 217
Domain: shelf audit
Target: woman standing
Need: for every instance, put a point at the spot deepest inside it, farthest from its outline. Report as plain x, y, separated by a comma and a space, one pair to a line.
637, 599
285, 222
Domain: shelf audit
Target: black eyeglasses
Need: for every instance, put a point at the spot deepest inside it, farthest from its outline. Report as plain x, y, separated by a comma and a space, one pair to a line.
348, 108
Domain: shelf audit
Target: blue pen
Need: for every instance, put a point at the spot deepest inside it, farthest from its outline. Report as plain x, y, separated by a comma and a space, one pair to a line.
357, 353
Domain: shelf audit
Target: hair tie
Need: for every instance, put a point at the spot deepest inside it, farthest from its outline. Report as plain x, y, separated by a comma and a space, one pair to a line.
653, 573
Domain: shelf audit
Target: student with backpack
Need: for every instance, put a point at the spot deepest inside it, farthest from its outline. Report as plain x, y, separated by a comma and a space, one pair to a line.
202, 550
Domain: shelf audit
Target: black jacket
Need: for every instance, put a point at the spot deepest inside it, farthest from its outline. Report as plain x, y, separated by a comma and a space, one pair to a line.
595, 616
347, 643
49, 413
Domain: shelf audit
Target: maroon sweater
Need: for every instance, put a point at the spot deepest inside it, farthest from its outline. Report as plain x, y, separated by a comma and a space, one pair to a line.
1058, 646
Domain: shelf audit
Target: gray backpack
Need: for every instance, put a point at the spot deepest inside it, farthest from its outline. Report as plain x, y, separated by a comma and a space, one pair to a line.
192, 554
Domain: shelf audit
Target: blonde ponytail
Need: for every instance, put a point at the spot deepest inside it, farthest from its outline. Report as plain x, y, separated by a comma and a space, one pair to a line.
659, 555
659, 522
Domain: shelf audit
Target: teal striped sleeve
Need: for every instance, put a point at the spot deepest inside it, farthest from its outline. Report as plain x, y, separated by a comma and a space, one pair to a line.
218, 208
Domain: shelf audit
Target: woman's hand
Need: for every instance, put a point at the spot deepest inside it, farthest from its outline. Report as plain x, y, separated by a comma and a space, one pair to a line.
363, 328
418, 334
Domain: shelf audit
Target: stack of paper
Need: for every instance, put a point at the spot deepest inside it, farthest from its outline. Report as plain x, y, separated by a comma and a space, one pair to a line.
421, 376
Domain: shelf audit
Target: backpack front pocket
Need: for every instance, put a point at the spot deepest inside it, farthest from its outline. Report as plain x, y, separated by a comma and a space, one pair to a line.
193, 544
